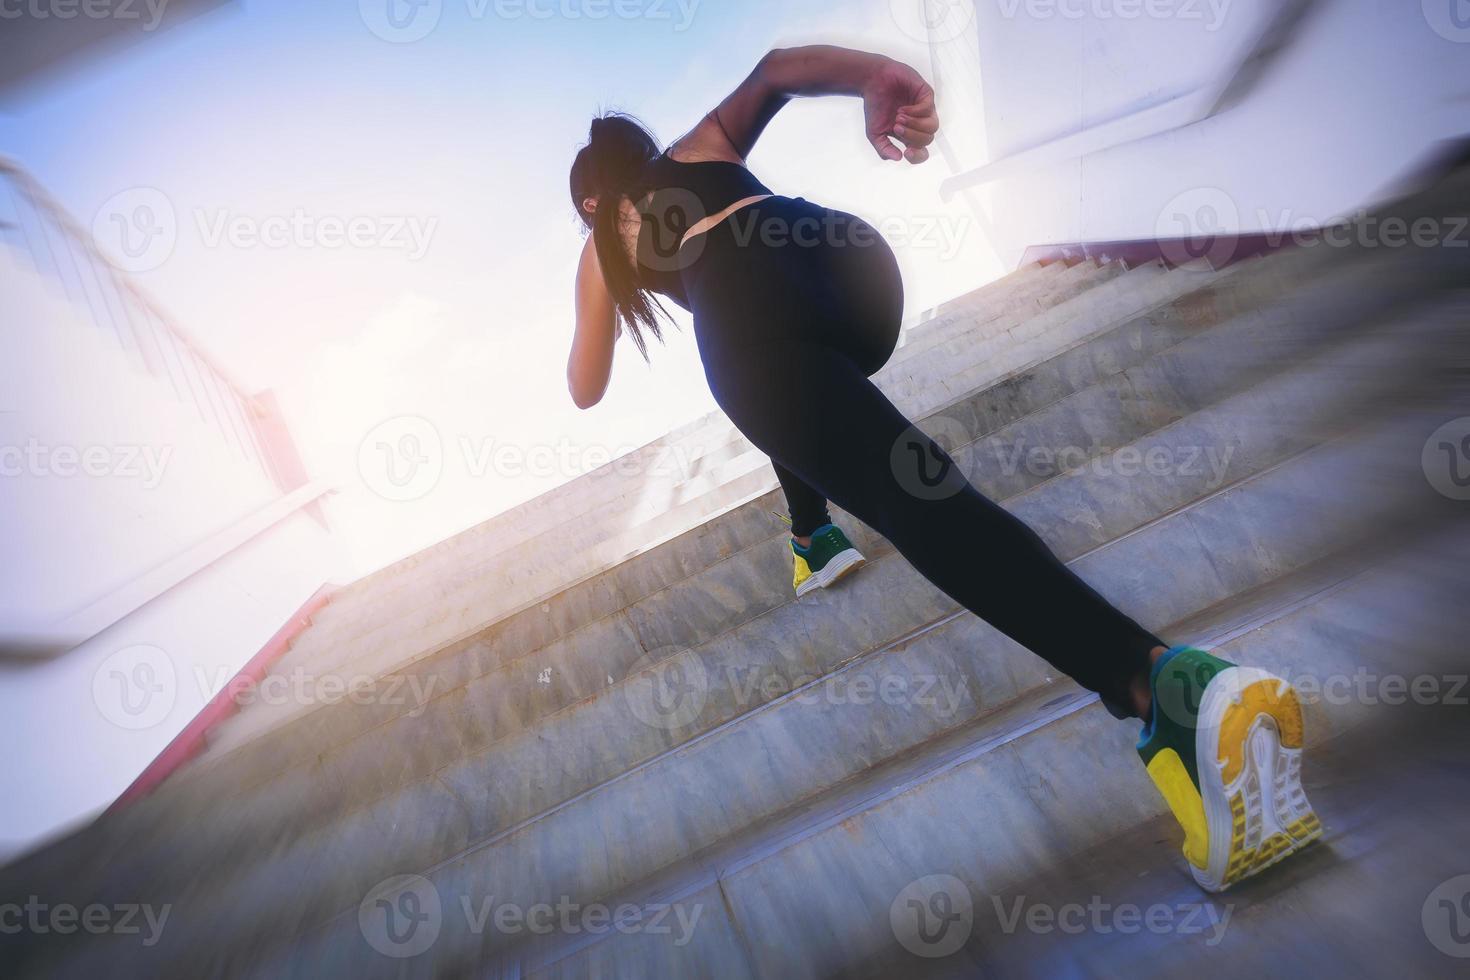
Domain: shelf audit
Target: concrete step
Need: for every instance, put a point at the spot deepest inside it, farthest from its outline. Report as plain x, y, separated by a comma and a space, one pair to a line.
984, 801
619, 815
1347, 908
979, 315
1020, 282
1011, 282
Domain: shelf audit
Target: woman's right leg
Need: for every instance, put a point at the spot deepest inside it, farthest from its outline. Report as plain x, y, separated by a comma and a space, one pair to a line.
811, 409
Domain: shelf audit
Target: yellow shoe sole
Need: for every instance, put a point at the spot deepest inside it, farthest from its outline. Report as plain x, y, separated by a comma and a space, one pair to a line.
1248, 746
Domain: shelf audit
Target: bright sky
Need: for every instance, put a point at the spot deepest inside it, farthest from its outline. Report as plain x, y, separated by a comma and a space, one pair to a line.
257, 131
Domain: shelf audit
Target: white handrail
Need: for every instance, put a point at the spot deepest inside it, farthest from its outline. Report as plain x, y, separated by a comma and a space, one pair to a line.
70, 632
1185, 109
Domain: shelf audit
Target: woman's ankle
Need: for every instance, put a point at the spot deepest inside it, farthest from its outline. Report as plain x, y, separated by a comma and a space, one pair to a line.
1140, 690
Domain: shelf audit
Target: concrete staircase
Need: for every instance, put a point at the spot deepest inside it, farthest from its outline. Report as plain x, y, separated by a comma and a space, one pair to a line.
607, 700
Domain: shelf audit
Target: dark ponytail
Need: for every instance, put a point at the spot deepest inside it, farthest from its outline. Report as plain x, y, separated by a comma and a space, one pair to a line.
610, 168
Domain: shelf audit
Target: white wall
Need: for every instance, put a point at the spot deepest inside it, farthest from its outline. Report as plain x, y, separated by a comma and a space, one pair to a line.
81, 726
1366, 90
162, 478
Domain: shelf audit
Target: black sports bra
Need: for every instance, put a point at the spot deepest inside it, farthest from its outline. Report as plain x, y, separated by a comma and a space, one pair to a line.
684, 194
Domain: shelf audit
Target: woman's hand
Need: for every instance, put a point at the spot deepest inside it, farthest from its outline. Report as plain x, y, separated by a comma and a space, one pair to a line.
900, 104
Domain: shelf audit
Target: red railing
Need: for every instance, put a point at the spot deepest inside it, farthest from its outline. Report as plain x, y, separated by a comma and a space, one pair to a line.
193, 739
1218, 251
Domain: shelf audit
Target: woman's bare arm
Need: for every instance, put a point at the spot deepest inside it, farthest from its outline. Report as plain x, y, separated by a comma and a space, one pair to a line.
590, 365
898, 103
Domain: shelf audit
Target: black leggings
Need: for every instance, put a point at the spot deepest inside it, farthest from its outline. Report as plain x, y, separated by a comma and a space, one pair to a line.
795, 307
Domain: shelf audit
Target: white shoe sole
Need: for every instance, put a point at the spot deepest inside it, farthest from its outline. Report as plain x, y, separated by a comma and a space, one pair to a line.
842, 564
1249, 750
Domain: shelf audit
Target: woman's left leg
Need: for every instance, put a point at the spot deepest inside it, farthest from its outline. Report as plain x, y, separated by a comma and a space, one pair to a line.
807, 507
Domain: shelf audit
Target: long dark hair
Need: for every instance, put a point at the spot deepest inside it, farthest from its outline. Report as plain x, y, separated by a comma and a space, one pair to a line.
610, 168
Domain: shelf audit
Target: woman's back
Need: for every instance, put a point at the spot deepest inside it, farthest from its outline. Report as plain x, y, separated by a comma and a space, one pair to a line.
683, 195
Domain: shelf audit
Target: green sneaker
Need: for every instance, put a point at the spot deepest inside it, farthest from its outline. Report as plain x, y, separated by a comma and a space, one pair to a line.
830, 557
1224, 747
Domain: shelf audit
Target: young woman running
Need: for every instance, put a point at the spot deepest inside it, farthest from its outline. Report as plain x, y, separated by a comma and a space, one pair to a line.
795, 307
